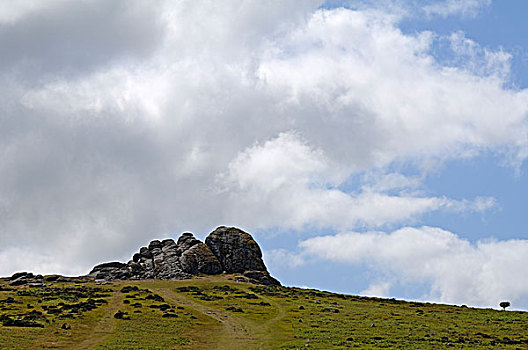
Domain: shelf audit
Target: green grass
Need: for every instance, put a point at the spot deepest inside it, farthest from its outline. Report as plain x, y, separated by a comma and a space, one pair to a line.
145, 326
217, 313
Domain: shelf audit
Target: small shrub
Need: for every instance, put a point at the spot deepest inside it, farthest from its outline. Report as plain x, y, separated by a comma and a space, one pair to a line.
128, 289
234, 309
120, 315
9, 322
154, 297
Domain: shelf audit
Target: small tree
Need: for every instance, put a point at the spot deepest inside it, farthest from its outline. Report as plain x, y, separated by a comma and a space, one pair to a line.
504, 304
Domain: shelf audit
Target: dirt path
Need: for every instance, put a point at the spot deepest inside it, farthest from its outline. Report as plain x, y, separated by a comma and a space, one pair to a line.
237, 332
105, 327
281, 312
266, 328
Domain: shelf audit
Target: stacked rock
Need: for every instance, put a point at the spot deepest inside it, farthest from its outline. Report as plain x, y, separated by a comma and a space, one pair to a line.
226, 250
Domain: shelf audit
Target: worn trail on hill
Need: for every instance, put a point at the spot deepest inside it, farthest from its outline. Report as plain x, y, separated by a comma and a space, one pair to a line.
238, 332
105, 326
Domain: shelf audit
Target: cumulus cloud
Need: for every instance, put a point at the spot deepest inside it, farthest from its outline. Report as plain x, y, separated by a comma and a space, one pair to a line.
295, 184
122, 121
392, 111
455, 270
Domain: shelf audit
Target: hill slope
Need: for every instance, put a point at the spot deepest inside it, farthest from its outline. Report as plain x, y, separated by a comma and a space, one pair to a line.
217, 312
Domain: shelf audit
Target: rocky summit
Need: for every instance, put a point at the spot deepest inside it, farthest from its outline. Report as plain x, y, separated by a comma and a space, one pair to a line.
226, 250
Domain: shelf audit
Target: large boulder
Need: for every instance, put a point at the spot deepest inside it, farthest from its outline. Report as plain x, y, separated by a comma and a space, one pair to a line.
199, 258
185, 242
110, 271
261, 277
236, 250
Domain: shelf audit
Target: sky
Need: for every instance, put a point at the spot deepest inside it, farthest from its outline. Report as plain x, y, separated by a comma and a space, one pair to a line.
371, 147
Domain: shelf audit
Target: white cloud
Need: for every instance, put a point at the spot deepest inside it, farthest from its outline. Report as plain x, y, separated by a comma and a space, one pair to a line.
456, 271
384, 96
283, 257
456, 7
477, 59
377, 289
295, 184
123, 122
380, 182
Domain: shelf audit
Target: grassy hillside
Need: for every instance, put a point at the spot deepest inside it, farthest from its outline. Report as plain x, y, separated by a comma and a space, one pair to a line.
220, 313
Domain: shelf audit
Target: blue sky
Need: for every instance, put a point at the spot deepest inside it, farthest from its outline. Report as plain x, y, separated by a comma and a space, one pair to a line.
457, 179
484, 176
499, 25
371, 147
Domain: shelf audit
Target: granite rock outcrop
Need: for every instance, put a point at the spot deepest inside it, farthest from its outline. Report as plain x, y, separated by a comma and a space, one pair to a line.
226, 250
